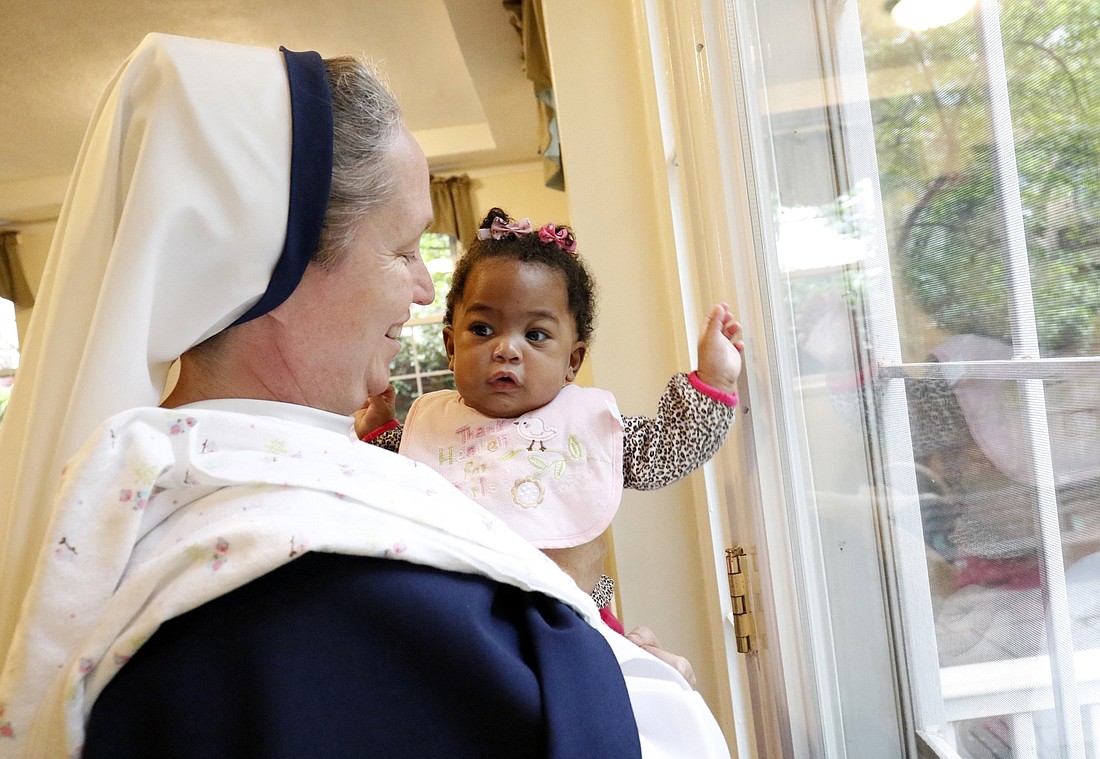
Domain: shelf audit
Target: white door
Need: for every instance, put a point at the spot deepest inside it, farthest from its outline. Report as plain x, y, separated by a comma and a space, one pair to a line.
912, 204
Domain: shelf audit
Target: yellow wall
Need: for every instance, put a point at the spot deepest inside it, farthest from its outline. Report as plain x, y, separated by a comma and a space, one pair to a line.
519, 190
619, 205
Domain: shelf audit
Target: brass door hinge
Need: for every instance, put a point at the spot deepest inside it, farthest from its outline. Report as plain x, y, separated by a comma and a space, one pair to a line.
744, 625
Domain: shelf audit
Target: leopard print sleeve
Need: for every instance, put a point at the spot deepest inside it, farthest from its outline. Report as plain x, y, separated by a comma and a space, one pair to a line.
689, 429
390, 439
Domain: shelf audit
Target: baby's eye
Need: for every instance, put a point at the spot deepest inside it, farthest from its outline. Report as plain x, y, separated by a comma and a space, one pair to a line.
481, 330
537, 335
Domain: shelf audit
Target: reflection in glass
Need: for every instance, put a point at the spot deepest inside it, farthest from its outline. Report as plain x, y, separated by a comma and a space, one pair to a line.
986, 163
989, 167
943, 203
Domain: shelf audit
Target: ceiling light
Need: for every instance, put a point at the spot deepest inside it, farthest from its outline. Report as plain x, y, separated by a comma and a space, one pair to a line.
919, 15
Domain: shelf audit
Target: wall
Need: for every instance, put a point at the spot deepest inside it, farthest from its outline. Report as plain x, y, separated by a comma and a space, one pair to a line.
611, 146
518, 189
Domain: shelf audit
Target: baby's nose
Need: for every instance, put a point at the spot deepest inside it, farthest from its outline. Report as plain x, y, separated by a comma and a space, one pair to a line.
505, 349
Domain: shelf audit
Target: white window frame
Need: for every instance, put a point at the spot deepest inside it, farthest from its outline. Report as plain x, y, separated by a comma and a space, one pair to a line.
717, 212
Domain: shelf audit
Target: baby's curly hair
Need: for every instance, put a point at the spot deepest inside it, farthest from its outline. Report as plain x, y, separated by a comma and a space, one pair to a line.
528, 248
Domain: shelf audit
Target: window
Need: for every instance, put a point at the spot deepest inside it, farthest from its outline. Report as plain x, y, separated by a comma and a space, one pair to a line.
9, 351
926, 228
421, 366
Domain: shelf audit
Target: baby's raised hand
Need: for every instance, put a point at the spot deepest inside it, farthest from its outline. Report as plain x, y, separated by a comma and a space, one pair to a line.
720, 348
378, 410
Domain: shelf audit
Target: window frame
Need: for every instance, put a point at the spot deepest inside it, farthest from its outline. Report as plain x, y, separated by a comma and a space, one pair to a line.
707, 112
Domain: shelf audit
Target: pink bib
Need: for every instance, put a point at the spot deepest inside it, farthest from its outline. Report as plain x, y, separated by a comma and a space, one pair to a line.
554, 475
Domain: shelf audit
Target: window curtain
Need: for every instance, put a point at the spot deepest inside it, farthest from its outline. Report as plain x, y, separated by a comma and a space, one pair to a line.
13, 281
527, 18
453, 208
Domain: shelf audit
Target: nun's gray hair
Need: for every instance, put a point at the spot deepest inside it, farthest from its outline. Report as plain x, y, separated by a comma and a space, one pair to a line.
366, 124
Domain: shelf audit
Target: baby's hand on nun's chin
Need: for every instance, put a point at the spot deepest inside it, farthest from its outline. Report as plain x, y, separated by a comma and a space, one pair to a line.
378, 410
720, 349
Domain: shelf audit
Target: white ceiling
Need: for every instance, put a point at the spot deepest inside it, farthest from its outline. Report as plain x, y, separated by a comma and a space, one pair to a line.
455, 65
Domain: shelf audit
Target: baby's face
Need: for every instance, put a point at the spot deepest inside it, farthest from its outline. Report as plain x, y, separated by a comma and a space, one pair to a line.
513, 342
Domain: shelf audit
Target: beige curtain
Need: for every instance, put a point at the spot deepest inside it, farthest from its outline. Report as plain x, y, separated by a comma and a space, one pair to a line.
13, 282
527, 18
453, 208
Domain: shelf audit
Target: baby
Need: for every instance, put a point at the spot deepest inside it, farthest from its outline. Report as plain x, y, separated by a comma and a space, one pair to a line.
546, 456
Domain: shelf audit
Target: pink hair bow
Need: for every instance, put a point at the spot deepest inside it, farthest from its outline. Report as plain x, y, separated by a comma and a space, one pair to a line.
563, 236
500, 229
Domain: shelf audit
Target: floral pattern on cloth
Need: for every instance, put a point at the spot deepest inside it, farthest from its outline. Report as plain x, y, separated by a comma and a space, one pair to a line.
528, 471
159, 513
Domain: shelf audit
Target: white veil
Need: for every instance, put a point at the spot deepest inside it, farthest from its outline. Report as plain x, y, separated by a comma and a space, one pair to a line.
174, 219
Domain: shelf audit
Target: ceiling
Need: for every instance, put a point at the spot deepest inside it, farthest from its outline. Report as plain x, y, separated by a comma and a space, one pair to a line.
455, 66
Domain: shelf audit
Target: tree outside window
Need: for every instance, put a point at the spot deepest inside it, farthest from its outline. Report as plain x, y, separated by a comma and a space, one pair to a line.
421, 366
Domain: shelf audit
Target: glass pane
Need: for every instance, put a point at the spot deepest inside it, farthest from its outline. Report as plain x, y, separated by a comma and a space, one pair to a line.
410, 388
987, 152
981, 510
946, 198
9, 337
421, 366
932, 196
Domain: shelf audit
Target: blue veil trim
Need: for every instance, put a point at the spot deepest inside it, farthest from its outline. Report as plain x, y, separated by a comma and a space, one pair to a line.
310, 176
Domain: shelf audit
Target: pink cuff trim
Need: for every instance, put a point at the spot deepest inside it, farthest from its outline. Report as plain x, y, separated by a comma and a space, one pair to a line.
379, 430
730, 399
611, 620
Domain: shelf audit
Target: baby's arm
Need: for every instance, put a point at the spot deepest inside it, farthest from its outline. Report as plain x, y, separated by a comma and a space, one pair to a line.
694, 413
376, 422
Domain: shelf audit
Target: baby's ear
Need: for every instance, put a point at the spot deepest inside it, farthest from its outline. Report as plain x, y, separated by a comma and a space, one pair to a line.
449, 346
576, 358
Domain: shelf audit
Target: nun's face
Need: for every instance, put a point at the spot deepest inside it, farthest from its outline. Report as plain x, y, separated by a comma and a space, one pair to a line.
343, 320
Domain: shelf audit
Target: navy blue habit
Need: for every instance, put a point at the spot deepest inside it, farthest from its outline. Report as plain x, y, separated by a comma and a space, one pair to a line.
345, 656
